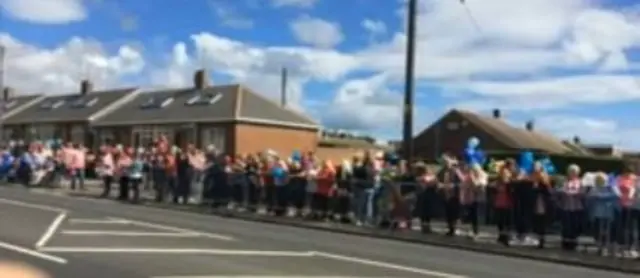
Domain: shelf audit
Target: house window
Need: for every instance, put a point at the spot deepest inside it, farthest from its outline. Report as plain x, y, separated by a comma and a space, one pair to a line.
204, 99
10, 104
7, 134
156, 102
216, 136
78, 134
52, 104
43, 131
145, 135
453, 126
107, 136
82, 102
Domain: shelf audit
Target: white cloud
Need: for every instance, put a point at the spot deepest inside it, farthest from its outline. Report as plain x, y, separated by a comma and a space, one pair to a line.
590, 130
317, 32
294, 3
552, 92
375, 27
45, 11
30, 69
229, 16
527, 39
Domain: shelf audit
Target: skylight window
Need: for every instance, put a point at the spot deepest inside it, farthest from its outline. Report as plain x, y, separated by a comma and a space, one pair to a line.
82, 102
10, 104
53, 104
154, 102
204, 99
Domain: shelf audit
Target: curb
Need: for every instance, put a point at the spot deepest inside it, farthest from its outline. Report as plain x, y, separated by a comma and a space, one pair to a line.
565, 258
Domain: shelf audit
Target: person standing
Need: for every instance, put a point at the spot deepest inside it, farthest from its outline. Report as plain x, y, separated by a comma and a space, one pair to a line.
572, 208
105, 169
136, 173
123, 162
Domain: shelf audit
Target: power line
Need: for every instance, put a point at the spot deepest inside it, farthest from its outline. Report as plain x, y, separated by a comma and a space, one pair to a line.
470, 16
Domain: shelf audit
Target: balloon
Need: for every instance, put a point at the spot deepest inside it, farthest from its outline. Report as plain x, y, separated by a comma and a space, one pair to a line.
473, 143
296, 156
548, 166
526, 161
470, 155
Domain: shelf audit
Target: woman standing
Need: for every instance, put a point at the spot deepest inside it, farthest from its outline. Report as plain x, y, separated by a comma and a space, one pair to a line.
542, 197
123, 162
503, 202
572, 208
105, 169
325, 182
136, 173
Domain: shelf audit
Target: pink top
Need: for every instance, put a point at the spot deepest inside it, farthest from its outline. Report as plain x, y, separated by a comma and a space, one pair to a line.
78, 159
626, 190
108, 165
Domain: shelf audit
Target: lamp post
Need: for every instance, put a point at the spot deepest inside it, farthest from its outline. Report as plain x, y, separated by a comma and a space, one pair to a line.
407, 138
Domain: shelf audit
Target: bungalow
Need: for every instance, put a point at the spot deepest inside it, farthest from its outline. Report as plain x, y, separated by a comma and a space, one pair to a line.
67, 117
232, 117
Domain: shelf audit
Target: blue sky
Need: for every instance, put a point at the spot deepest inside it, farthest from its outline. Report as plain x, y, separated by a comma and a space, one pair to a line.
570, 65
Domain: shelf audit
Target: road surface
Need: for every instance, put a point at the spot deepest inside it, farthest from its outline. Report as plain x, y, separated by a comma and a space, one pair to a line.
75, 237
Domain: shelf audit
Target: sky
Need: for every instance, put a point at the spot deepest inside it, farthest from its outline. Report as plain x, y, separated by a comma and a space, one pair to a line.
571, 66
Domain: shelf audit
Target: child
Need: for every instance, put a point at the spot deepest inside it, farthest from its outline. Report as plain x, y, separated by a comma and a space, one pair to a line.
602, 202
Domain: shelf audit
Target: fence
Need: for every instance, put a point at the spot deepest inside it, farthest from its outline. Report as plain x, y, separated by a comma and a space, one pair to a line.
551, 218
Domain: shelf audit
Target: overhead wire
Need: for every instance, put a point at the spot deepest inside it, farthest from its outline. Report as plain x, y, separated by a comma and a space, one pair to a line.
470, 16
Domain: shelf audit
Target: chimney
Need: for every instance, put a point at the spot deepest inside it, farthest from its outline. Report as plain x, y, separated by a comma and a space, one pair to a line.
7, 93
200, 79
497, 114
86, 87
530, 125
576, 140
283, 87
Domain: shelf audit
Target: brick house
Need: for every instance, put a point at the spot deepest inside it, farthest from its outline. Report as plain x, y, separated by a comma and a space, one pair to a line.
68, 116
451, 132
232, 117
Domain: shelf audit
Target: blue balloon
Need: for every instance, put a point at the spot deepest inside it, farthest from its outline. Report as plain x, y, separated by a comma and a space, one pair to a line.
470, 155
296, 156
526, 161
473, 142
548, 166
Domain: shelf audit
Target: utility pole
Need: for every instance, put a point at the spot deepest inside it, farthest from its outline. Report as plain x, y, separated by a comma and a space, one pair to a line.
3, 53
407, 138
283, 87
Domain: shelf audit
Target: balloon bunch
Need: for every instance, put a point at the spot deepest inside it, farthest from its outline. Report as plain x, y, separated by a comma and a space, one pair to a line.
296, 156
473, 154
527, 163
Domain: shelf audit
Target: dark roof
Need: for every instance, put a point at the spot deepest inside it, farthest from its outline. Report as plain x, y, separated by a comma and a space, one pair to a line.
18, 103
212, 104
69, 108
516, 138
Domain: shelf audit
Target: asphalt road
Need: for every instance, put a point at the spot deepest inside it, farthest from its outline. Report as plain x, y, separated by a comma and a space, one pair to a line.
75, 237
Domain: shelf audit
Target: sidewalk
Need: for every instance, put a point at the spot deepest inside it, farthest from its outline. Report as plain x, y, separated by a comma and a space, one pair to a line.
485, 243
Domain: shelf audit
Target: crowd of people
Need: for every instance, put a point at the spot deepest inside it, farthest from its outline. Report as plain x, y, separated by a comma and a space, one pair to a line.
372, 189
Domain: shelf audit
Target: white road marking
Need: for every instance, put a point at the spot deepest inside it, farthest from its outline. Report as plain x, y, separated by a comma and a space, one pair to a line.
388, 265
97, 221
51, 230
224, 252
30, 205
176, 229
260, 276
125, 233
32, 253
